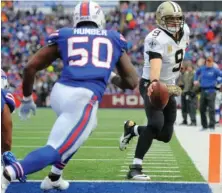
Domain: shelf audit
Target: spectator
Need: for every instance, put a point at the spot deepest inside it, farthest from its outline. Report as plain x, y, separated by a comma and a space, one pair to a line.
24, 32
206, 76
189, 92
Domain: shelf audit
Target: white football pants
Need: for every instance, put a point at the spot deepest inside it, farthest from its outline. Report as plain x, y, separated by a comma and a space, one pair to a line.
76, 109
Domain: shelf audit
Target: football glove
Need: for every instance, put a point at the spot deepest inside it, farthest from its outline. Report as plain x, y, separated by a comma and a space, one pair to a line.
174, 90
27, 107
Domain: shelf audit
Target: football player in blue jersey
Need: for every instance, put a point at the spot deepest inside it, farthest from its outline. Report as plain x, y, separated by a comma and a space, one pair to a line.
7, 107
89, 54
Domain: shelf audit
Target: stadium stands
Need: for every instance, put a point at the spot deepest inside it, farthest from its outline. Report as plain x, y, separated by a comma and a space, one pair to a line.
24, 32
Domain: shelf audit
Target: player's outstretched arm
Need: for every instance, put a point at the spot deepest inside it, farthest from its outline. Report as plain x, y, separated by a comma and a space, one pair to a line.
39, 61
127, 78
156, 65
6, 126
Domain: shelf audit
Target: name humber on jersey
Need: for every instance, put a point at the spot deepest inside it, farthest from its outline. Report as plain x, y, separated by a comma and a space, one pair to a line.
85, 31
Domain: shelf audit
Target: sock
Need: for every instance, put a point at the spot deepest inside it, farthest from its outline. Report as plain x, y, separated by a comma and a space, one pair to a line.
137, 161
39, 159
135, 130
144, 142
56, 170
138, 129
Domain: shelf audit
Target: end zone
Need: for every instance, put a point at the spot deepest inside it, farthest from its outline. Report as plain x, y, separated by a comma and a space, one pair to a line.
116, 187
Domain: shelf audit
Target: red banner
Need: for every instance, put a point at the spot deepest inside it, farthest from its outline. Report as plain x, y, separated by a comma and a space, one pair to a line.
121, 101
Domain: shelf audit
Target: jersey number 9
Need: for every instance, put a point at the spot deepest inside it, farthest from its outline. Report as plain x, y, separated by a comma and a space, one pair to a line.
178, 59
84, 54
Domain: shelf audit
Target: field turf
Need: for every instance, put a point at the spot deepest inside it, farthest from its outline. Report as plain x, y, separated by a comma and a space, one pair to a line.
100, 158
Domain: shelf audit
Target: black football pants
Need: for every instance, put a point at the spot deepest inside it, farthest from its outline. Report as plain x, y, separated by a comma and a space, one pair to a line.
160, 122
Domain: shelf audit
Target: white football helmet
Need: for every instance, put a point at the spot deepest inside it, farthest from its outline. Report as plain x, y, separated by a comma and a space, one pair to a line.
169, 16
89, 11
4, 80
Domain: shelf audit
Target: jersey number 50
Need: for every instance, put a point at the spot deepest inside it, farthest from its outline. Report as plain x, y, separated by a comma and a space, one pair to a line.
178, 59
84, 54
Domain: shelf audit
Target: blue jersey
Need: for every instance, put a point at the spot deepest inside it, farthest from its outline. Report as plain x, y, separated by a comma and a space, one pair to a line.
89, 55
7, 98
208, 77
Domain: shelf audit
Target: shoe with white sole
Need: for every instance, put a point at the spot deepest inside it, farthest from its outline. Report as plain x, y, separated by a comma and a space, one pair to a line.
60, 184
8, 159
135, 173
127, 135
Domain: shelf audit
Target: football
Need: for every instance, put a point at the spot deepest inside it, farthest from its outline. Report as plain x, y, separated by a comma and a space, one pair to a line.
160, 96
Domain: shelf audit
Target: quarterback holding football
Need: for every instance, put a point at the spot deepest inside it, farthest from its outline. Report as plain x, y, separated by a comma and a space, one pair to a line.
164, 50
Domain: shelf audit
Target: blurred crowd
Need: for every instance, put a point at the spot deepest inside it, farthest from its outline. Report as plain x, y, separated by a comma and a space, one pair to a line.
24, 32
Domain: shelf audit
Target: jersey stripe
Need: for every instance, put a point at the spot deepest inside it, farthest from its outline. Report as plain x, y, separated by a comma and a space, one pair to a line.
54, 34
79, 128
84, 9
11, 97
122, 38
174, 6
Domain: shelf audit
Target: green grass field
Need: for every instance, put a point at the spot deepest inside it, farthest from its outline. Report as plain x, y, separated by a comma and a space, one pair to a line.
100, 158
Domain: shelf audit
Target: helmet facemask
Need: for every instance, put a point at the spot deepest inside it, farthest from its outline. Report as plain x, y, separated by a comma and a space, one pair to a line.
172, 24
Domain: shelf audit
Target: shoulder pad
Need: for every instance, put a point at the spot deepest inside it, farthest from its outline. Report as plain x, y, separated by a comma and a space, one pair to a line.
53, 38
120, 40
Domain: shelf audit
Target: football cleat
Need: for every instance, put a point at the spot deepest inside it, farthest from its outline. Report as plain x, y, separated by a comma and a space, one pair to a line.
9, 159
127, 135
48, 184
135, 173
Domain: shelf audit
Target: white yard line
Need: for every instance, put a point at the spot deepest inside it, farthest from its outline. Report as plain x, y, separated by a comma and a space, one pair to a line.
155, 150
83, 147
160, 154
35, 131
155, 158
88, 147
101, 159
76, 159
155, 171
90, 138
158, 163
156, 167
158, 176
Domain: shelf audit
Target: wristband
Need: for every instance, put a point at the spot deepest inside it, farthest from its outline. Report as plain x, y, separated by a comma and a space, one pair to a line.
27, 98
